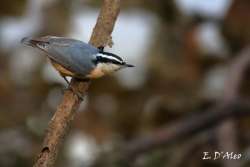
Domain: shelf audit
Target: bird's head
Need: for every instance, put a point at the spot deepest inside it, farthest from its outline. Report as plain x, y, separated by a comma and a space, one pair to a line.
111, 59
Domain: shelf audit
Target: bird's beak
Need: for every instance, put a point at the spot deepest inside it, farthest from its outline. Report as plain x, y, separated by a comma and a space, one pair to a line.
129, 65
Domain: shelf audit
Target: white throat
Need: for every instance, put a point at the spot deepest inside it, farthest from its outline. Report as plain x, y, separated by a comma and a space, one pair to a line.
108, 68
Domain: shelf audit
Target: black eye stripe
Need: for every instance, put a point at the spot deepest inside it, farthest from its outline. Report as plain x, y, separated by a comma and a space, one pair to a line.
100, 59
111, 54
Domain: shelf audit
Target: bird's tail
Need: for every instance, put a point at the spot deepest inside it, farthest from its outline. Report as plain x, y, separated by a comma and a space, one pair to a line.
34, 42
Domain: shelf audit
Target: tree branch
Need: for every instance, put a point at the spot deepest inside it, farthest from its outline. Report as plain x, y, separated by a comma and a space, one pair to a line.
185, 128
61, 121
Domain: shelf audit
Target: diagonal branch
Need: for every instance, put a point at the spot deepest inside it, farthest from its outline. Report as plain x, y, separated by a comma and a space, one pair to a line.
61, 121
185, 128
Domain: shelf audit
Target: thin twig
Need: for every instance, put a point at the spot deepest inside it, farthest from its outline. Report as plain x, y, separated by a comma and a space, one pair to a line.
61, 121
184, 128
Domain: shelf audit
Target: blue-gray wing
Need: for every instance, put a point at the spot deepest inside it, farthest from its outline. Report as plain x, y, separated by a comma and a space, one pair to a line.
74, 55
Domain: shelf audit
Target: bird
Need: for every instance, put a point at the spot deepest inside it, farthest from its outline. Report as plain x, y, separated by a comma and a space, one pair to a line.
75, 58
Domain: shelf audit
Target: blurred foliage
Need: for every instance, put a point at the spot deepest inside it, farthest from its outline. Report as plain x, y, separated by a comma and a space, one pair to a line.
12, 8
180, 75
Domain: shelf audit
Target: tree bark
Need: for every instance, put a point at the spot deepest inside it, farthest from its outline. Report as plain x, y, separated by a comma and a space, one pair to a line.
66, 110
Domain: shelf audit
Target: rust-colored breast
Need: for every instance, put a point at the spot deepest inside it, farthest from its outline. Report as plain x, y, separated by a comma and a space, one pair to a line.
103, 69
63, 71
96, 73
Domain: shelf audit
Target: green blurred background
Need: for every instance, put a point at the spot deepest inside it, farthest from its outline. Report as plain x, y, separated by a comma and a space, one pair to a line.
181, 50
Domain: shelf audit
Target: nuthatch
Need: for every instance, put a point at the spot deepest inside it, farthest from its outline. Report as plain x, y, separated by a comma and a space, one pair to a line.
75, 58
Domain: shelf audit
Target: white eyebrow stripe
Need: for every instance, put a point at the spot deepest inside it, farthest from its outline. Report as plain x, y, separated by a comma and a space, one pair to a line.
109, 57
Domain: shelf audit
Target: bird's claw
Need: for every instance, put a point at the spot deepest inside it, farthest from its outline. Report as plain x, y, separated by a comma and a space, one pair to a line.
101, 48
78, 94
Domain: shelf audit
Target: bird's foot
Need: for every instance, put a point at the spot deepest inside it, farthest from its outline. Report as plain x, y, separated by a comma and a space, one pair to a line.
78, 94
101, 48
